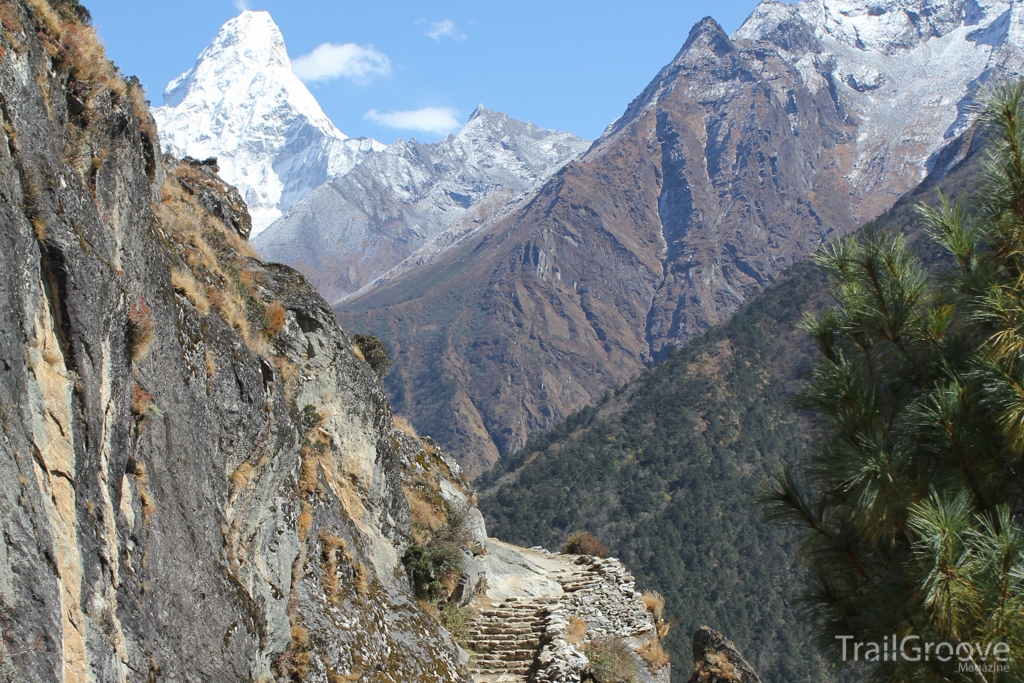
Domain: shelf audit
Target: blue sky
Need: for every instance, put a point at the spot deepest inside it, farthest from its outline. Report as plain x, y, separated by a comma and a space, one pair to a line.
567, 65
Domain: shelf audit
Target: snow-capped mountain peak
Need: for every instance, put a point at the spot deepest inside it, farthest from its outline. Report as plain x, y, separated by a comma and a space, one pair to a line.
242, 104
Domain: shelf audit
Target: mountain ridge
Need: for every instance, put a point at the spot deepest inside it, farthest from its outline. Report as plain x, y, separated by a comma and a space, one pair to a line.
412, 196
738, 159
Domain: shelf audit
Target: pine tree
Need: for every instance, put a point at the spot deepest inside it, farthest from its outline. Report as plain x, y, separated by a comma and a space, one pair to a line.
910, 505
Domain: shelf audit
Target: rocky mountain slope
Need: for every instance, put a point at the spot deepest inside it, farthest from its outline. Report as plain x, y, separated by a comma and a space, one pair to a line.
665, 469
414, 197
200, 474
242, 104
740, 157
198, 478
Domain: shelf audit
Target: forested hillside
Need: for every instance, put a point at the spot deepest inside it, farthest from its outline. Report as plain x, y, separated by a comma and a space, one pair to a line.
665, 469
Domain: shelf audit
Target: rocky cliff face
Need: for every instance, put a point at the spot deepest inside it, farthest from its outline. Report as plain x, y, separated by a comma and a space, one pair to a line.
414, 197
740, 158
242, 104
199, 480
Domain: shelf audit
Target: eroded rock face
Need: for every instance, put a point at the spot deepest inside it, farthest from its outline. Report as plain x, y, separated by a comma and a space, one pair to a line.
197, 476
716, 660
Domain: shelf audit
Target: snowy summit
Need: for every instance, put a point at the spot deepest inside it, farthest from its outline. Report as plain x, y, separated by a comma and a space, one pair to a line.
242, 104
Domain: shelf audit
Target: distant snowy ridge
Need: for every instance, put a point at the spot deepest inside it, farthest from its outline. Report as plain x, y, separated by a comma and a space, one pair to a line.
414, 197
242, 104
905, 71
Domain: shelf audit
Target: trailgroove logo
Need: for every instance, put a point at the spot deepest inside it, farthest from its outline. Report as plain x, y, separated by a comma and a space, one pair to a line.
972, 657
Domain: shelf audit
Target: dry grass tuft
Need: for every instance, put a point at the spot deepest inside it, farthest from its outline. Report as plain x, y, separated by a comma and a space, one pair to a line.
141, 330
39, 228
576, 631
653, 654
296, 660
48, 17
362, 578
184, 283
140, 107
241, 476
426, 517
309, 481
218, 256
403, 425
305, 521
142, 400
142, 484
275, 319
615, 657
655, 604
716, 665
329, 547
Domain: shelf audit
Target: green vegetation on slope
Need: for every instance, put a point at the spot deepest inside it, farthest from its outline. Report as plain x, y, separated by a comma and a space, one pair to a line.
909, 498
665, 472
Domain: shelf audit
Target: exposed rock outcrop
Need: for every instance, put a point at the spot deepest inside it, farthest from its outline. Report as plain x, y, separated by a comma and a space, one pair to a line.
716, 660
198, 477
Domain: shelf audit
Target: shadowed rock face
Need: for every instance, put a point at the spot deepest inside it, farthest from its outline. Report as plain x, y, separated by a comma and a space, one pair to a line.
716, 660
171, 509
739, 159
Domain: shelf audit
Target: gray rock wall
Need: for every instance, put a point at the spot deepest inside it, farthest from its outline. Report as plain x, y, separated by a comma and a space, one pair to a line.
169, 511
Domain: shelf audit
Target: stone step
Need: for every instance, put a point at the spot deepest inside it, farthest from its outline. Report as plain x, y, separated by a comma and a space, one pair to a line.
510, 655
486, 644
511, 667
529, 628
504, 638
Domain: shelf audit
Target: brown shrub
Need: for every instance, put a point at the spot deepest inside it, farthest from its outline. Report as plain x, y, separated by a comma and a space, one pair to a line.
653, 654
584, 543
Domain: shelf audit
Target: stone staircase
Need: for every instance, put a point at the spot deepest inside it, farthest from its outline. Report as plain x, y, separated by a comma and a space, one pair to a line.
505, 640
517, 632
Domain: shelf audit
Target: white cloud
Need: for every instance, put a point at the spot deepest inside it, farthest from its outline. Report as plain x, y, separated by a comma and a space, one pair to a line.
428, 119
356, 62
444, 28
242, 5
